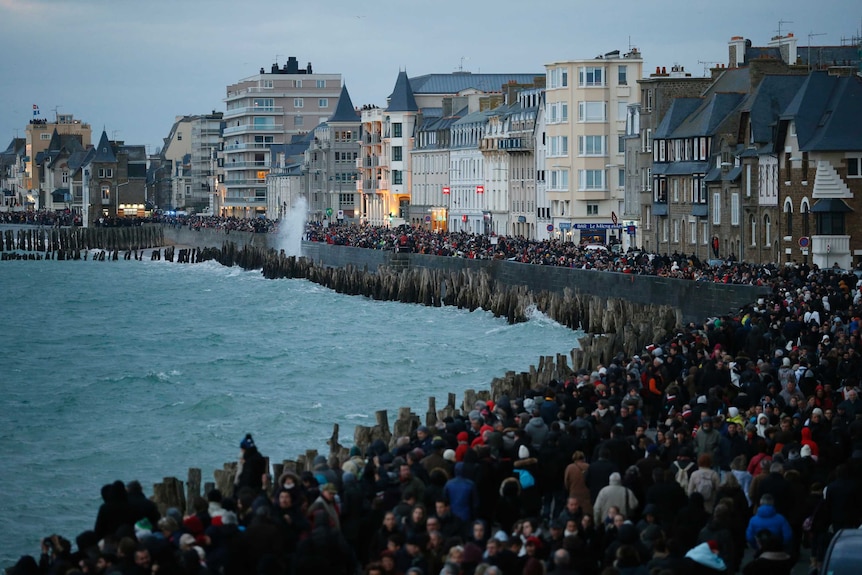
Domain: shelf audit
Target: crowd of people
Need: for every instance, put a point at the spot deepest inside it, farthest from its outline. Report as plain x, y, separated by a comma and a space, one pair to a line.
729, 448
550, 252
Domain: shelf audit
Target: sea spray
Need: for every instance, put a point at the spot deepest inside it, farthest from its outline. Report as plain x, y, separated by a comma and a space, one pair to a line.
291, 229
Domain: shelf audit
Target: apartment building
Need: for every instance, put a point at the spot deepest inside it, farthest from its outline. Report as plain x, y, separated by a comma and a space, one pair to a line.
12, 166
262, 110
38, 138
585, 113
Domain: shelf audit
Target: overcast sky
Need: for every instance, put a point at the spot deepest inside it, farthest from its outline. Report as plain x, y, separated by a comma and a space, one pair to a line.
130, 66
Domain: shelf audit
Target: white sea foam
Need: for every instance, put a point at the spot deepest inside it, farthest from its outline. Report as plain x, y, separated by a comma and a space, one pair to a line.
291, 228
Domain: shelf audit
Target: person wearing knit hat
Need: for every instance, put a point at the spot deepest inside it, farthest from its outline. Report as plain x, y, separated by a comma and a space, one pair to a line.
523, 452
449, 455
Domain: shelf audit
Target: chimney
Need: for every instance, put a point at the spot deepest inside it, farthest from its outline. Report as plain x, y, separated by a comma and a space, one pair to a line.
736, 52
275, 68
262, 71
308, 68
664, 71
292, 65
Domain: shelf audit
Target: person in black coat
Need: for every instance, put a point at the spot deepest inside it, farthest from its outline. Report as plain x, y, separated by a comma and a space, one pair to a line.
252, 466
141, 507
599, 473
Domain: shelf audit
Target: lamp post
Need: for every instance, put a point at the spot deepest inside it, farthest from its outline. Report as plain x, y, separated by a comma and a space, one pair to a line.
117, 190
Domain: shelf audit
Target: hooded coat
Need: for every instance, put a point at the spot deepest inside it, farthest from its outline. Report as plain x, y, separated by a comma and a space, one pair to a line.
768, 518
614, 495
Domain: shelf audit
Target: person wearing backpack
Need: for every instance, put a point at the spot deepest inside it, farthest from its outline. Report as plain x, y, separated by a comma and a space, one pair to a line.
682, 468
704, 481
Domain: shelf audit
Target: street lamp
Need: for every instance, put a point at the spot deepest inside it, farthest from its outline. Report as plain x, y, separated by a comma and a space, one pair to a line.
117, 190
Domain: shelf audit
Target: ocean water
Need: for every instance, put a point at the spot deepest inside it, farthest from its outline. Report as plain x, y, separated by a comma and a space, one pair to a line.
140, 370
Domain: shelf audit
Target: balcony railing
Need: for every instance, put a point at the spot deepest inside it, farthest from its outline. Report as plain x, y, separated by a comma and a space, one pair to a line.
253, 110
254, 128
244, 165
249, 146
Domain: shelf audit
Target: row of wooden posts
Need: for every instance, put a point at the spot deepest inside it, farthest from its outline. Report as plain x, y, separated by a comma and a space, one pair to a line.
65, 243
638, 326
175, 492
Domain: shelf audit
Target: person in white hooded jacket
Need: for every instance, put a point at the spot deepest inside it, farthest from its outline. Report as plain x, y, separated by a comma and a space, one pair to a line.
615, 494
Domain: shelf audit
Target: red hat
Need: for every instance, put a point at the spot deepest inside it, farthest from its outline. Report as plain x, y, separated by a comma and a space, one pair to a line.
533, 540
463, 437
193, 525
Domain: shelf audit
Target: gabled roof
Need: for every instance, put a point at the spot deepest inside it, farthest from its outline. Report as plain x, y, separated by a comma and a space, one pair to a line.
678, 111
402, 99
708, 116
460, 81
767, 103
104, 151
17, 145
827, 111
731, 80
344, 111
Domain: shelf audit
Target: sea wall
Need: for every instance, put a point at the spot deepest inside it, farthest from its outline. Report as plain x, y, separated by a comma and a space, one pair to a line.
693, 301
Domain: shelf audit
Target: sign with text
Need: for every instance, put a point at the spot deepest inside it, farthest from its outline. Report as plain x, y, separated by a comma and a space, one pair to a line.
599, 226
445, 189
480, 189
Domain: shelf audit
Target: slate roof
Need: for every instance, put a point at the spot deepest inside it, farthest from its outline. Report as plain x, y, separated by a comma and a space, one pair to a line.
680, 168
678, 111
708, 116
731, 80
767, 103
402, 99
344, 111
827, 111
459, 81
822, 56
104, 151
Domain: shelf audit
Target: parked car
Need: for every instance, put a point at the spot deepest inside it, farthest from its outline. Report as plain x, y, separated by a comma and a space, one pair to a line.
844, 555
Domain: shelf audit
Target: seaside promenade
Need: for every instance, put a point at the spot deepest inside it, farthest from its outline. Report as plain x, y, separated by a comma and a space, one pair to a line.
581, 475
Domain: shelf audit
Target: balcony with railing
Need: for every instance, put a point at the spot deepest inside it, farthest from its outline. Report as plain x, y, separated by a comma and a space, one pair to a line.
257, 128
253, 110
249, 146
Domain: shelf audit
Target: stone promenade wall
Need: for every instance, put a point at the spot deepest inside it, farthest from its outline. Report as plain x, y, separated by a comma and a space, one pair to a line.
695, 301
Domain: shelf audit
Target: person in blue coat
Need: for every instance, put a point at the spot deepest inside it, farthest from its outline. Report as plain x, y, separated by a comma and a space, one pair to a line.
462, 495
768, 519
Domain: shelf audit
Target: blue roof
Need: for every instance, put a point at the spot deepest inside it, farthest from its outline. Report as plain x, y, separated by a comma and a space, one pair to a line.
104, 151
767, 103
678, 111
402, 99
344, 111
827, 111
709, 115
459, 81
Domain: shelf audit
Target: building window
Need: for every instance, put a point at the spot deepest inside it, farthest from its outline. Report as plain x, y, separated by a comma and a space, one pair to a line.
752, 224
675, 188
590, 76
592, 146
396, 153
806, 225
676, 231
65, 177
621, 174
558, 78
692, 232
396, 129
592, 209
591, 179
106, 173
267, 83
106, 193
854, 167
622, 75
44, 136
705, 236
734, 209
297, 83
592, 111
830, 224
716, 209
648, 217
321, 83
664, 229
345, 200
298, 102
767, 230
788, 217
397, 177
323, 102
559, 146
559, 181
298, 121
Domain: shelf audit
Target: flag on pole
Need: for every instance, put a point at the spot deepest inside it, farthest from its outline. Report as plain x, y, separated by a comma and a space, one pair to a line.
35, 110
